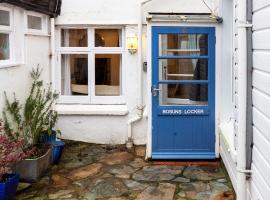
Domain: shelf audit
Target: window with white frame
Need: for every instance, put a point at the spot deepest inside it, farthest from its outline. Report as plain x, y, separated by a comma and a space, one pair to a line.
5, 34
36, 23
90, 65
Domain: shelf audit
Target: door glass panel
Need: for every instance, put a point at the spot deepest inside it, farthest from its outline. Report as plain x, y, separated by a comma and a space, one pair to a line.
183, 69
183, 94
183, 44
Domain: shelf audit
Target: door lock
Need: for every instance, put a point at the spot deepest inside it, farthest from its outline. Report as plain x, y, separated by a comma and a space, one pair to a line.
154, 90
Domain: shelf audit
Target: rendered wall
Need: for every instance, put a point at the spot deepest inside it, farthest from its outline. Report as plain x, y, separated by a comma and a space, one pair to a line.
36, 51
113, 129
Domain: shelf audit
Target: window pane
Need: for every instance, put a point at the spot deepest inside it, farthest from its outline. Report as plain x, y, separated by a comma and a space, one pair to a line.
183, 44
108, 38
4, 18
107, 74
74, 38
184, 94
74, 74
4, 46
183, 69
34, 22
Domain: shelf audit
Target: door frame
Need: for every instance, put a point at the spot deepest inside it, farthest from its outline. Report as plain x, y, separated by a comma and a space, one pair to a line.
149, 78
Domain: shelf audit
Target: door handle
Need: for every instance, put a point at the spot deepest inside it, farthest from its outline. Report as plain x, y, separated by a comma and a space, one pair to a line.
154, 90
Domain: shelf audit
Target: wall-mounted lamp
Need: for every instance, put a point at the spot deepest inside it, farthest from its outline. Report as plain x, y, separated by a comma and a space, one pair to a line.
132, 44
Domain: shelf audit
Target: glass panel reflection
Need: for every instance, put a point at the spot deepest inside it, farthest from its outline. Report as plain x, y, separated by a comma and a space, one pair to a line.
183, 45
183, 69
183, 94
74, 72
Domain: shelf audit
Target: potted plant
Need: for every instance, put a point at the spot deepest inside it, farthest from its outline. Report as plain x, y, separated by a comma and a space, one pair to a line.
49, 134
29, 121
10, 153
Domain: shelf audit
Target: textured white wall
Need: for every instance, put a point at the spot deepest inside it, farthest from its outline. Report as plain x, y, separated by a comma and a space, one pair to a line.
117, 12
17, 79
123, 11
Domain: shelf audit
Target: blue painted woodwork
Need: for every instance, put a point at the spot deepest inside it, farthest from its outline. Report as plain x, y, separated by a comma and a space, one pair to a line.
183, 131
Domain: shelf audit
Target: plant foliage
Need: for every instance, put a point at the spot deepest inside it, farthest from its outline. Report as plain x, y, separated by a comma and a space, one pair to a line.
10, 152
35, 116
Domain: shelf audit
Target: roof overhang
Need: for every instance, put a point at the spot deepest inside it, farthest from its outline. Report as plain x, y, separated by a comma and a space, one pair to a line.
48, 7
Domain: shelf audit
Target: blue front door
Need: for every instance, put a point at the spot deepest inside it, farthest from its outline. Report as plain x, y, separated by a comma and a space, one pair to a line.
183, 92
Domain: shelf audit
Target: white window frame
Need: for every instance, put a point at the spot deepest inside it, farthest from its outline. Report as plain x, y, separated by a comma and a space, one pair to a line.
44, 23
8, 30
91, 50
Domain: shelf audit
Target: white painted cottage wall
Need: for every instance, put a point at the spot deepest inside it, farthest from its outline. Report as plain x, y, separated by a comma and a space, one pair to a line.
108, 128
228, 116
36, 51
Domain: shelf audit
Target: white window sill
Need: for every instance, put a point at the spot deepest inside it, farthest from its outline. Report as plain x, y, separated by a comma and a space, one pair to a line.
37, 34
74, 109
11, 64
227, 135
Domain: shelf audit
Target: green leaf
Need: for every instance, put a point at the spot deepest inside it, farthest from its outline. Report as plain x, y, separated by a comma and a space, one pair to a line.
58, 132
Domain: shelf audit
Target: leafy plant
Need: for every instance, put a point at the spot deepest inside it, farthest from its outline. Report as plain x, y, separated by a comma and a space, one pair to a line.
10, 152
35, 116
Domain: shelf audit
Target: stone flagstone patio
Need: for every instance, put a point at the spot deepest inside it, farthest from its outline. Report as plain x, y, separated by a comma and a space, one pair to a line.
89, 172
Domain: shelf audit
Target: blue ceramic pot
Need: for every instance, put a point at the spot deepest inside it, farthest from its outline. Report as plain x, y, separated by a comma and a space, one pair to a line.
48, 138
8, 188
58, 147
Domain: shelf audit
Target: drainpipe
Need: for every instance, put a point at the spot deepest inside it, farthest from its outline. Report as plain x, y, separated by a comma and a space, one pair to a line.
140, 106
242, 99
249, 88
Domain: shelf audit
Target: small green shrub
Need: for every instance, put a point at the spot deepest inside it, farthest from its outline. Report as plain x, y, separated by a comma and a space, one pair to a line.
35, 116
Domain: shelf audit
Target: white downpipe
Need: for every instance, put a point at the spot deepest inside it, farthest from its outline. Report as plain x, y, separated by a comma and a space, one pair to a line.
53, 53
140, 106
242, 99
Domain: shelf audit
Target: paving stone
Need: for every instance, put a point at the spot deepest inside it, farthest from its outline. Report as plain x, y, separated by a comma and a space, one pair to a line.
85, 172
203, 196
157, 173
60, 180
59, 194
222, 180
219, 187
96, 169
74, 164
122, 171
134, 185
224, 196
196, 173
106, 189
118, 198
181, 180
181, 194
116, 158
164, 191
195, 186
140, 151
23, 186
138, 163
